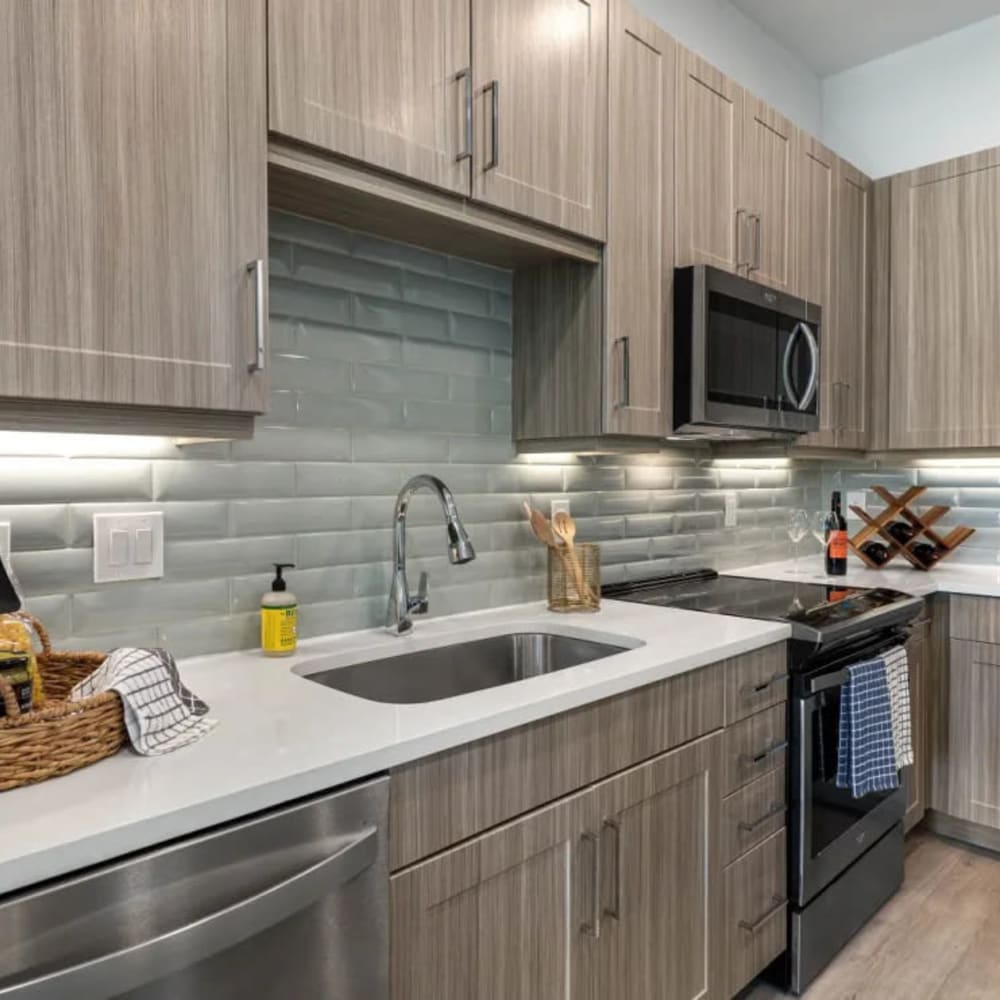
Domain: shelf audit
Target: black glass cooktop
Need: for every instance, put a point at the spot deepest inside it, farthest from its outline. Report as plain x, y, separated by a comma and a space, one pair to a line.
813, 609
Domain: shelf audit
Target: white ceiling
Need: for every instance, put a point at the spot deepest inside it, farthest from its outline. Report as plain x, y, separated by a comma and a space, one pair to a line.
834, 35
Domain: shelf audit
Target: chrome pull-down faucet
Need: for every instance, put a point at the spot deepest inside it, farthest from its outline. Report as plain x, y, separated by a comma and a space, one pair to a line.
401, 605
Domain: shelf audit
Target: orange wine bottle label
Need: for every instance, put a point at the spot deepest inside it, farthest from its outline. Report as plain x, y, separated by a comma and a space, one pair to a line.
838, 544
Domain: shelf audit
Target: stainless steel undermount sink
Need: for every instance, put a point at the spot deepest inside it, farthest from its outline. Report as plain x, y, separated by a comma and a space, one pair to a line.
425, 675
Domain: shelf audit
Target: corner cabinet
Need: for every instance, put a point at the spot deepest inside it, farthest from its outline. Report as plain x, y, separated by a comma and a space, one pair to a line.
133, 229
945, 308
592, 343
610, 894
501, 101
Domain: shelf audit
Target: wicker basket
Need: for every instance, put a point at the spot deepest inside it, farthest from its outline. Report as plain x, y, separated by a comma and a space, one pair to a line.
64, 735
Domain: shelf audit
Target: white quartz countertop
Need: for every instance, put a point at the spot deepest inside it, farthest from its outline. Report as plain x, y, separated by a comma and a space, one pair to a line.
946, 578
281, 737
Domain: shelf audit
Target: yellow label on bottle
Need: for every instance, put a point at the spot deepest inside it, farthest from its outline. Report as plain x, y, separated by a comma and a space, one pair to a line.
279, 629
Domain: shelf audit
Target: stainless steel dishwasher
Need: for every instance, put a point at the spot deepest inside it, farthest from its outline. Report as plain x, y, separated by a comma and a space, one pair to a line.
291, 904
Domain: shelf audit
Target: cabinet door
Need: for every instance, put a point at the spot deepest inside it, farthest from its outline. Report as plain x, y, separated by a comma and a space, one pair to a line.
711, 222
850, 305
945, 305
387, 82
132, 199
813, 230
973, 733
916, 777
541, 110
639, 256
508, 916
662, 927
766, 182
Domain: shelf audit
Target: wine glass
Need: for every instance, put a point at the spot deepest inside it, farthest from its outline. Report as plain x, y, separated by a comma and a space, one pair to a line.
817, 523
798, 528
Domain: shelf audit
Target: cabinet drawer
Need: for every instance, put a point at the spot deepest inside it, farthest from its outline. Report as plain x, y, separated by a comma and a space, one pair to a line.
754, 747
756, 900
976, 618
753, 814
755, 682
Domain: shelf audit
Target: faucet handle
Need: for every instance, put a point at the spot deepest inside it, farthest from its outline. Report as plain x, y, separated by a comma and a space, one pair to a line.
418, 605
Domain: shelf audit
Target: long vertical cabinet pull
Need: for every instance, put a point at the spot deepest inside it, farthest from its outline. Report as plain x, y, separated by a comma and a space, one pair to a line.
742, 238
593, 929
754, 263
625, 392
494, 161
256, 268
612, 826
466, 75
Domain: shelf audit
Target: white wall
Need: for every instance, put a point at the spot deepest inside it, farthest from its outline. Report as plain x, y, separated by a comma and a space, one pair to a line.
923, 104
727, 38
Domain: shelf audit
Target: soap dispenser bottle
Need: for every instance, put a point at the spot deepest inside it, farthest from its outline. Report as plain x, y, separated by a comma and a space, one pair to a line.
279, 616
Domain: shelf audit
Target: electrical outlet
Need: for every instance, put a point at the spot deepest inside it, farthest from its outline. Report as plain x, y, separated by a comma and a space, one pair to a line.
559, 506
128, 547
732, 506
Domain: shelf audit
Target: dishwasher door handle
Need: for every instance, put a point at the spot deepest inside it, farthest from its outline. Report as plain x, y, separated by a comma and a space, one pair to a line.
124, 970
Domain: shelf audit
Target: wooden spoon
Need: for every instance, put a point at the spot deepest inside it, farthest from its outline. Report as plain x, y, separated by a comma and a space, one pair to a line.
565, 528
540, 526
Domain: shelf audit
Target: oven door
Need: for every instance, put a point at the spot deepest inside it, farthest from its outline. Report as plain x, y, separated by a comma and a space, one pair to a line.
830, 828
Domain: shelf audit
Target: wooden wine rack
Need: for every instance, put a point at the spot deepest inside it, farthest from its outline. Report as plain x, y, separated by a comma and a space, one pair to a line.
899, 508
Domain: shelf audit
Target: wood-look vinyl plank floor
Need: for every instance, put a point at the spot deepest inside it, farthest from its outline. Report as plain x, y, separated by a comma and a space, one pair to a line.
937, 939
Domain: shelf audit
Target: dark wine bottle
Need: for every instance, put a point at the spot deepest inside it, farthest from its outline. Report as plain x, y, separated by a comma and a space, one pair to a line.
836, 539
902, 532
877, 552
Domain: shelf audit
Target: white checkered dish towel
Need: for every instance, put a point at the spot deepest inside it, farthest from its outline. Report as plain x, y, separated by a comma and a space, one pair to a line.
897, 672
161, 714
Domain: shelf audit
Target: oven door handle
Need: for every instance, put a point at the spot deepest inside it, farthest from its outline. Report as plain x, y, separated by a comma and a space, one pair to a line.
829, 681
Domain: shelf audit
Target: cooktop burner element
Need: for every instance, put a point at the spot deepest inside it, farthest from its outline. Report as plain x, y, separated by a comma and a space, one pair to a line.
817, 612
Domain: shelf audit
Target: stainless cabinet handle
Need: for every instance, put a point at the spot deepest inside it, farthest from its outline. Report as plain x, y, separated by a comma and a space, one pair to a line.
754, 264
741, 236
593, 929
125, 970
752, 929
751, 690
777, 809
466, 75
257, 269
625, 391
612, 826
494, 161
758, 758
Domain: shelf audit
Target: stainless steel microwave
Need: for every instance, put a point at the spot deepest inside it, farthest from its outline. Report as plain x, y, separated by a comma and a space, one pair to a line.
746, 358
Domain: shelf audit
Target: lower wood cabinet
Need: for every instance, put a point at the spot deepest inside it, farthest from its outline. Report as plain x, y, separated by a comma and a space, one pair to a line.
756, 903
609, 894
915, 778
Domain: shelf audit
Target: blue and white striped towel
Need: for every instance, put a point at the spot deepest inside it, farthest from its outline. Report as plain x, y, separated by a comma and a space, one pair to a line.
866, 755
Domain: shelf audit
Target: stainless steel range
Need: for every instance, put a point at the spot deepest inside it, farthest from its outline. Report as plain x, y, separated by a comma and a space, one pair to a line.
845, 854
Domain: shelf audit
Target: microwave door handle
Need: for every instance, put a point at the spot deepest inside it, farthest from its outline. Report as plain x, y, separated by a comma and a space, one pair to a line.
181, 947
786, 367
813, 386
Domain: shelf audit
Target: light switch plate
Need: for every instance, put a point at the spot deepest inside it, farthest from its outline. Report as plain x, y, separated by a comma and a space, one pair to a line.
128, 547
559, 506
5, 542
732, 506
855, 498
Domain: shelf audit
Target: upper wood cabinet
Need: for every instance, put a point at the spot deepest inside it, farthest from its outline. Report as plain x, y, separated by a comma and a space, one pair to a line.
133, 204
503, 101
945, 305
540, 71
388, 82
592, 344
610, 894
766, 172
639, 259
711, 224
831, 226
